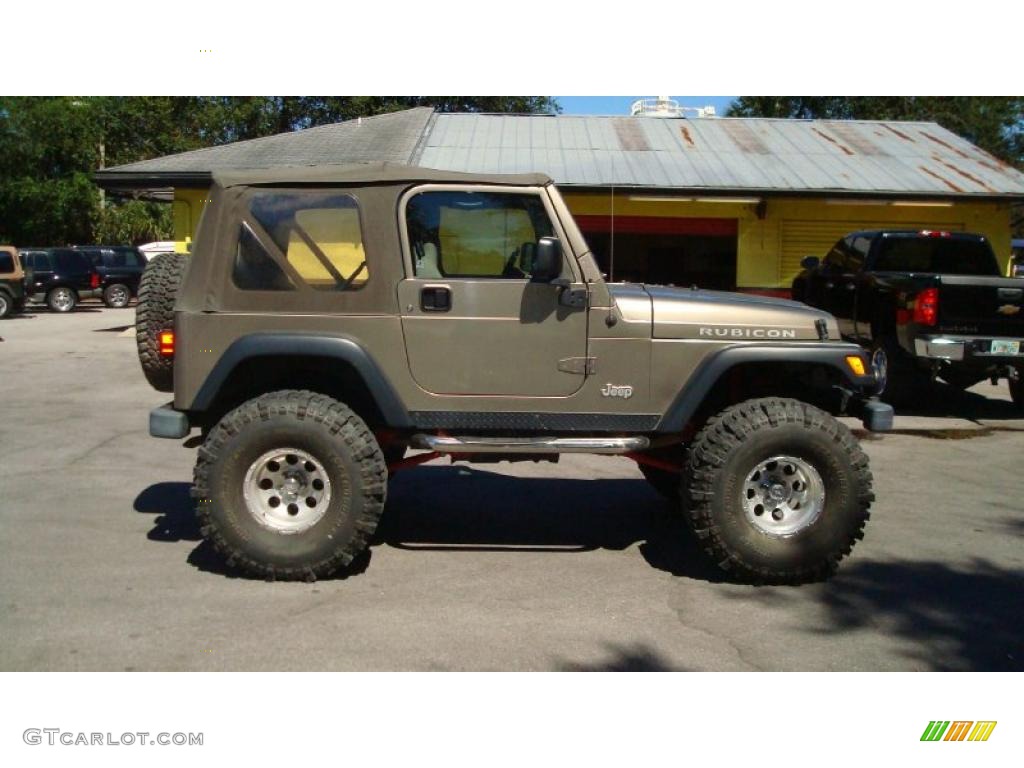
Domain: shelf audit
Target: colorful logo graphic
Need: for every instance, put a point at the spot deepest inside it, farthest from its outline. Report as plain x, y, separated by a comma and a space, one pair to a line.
958, 730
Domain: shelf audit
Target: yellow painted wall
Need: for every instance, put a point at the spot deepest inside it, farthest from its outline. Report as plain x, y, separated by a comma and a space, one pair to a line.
186, 209
769, 249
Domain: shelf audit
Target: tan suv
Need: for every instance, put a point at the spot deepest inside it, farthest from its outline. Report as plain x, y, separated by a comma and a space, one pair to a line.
330, 318
12, 282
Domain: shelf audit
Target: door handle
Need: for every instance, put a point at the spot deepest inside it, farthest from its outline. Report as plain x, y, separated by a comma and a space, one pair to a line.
435, 298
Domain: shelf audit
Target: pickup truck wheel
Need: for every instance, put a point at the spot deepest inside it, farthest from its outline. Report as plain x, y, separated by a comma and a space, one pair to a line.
899, 380
154, 313
117, 296
61, 299
777, 491
1017, 389
290, 485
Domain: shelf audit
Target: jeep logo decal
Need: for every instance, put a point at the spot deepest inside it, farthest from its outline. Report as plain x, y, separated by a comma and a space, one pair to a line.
750, 333
625, 391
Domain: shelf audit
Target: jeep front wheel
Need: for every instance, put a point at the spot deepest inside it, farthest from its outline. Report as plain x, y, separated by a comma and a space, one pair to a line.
290, 485
777, 491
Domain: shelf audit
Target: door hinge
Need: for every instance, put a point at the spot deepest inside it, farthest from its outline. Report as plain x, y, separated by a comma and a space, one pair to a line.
584, 366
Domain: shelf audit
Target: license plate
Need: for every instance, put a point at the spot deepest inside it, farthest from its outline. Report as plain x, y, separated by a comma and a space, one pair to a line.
1000, 347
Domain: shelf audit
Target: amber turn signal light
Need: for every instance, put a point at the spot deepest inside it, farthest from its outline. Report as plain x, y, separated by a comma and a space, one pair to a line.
856, 364
167, 344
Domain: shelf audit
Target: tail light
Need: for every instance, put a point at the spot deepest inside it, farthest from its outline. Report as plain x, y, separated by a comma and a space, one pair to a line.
926, 307
934, 233
166, 343
94, 280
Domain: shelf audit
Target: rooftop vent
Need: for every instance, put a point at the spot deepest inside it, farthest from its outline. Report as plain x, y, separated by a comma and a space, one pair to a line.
664, 106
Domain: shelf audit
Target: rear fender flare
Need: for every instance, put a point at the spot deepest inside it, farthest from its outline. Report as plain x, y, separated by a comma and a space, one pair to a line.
341, 348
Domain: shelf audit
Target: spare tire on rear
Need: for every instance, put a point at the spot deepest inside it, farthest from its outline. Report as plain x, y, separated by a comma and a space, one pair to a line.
155, 313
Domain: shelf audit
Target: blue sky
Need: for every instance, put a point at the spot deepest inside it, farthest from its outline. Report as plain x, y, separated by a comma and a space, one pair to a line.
619, 105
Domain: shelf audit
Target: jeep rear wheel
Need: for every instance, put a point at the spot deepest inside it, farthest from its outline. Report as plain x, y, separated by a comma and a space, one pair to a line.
290, 485
155, 313
6, 305
777, 491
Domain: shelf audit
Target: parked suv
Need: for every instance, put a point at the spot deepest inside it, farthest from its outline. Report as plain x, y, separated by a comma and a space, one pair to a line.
329, 318
61, 277
926, 304
120, 268
12, 282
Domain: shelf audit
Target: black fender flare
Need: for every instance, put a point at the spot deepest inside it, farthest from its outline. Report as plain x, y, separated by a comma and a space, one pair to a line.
696, 389
335, 347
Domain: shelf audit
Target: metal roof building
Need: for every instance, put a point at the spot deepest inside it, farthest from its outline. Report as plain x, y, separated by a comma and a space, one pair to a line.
723, 201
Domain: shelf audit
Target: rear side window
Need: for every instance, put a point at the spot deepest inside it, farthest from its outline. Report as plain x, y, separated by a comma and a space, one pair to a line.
944, 255
71, 261
318, 235
255, 269
6, 262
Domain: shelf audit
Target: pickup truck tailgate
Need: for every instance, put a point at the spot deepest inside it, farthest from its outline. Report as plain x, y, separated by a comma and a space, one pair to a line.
990, 306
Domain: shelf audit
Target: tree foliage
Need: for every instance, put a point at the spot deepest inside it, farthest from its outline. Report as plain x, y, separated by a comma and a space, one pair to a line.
50, 146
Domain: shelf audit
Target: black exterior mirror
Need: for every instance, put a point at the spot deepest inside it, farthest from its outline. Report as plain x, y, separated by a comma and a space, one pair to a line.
810, 262
547, 261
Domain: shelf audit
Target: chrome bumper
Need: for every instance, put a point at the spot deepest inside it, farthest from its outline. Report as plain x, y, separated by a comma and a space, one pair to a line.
957, 348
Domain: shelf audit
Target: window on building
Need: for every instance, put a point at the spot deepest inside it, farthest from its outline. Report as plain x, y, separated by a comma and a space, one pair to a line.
319, 235
475, 234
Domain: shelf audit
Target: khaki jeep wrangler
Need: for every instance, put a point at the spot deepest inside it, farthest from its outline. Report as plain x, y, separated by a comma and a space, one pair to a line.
328, 319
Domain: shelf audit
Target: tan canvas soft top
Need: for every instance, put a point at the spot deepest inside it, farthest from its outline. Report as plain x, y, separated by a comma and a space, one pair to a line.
18, 273
369, 173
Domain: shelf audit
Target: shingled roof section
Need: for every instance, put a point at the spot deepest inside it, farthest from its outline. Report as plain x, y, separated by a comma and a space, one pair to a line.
389, 138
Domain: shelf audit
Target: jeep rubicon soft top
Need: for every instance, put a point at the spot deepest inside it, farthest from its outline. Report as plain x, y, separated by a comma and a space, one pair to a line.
329, 318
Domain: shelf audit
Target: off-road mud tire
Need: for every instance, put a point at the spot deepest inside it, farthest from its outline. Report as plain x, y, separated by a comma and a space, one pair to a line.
328, 430
730, 444
154, 313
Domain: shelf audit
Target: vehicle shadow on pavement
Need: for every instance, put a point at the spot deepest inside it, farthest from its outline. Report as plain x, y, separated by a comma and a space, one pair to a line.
638, 657
951, 618
477, 510
941, 399
176, 521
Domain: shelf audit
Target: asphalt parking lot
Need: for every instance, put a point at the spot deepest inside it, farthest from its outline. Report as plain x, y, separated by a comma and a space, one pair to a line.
573, 566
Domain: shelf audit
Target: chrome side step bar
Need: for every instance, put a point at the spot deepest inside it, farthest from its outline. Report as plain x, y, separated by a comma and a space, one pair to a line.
603, 445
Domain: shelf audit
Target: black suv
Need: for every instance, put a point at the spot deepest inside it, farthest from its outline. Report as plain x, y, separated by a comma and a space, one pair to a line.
120, 268
61, 277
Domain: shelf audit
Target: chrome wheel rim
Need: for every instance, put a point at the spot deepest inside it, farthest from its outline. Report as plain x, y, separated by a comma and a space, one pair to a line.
3, 306
783, 495
880, 367
118, 296
62, 300
287, 490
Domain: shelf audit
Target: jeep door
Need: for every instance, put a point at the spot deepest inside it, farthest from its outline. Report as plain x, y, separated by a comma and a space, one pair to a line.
474, 321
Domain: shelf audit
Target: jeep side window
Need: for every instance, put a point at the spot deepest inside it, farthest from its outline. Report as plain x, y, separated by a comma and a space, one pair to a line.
475, 234
6, 261
319, 235
255, 269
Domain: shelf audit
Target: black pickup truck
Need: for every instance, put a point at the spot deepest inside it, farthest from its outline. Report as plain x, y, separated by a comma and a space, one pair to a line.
927, 304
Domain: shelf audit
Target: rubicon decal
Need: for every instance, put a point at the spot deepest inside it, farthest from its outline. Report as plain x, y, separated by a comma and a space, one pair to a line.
748, 333
958, 730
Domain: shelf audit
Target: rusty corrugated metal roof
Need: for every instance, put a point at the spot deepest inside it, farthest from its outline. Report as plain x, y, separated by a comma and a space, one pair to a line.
722, 154
713, 154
